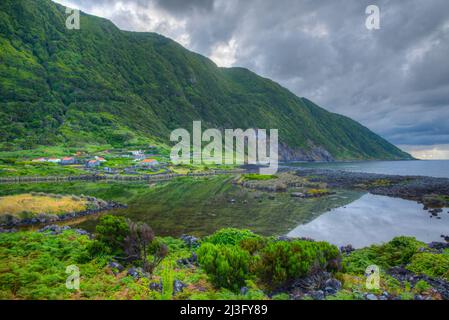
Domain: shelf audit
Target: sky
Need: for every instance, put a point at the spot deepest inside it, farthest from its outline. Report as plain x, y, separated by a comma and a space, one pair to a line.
394, 80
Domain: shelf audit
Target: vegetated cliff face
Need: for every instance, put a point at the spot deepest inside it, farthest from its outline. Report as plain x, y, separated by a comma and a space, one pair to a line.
101, 85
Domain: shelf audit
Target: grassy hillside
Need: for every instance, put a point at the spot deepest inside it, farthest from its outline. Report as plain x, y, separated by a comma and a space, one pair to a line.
102, 85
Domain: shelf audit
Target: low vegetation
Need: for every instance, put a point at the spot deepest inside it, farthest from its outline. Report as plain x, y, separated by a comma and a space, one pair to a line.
34, 204
255, 176
126, 260
399, 251
433, 265
29, 169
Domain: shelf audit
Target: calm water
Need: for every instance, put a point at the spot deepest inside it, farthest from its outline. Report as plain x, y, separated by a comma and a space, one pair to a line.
375, 219
435, 168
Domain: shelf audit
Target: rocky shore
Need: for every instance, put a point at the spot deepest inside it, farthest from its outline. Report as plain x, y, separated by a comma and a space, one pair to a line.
432, 192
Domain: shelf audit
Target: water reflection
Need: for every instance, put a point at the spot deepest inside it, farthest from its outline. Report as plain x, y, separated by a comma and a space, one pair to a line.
374, 219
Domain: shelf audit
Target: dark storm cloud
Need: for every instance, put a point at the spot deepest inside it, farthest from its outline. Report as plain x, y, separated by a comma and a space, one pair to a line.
394, 80
182, 6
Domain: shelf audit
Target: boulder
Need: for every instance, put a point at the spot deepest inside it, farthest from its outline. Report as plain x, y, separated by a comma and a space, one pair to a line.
347, 249
156, 286
116, 267
244, 291
297, 195
317, 295
371, 297
178, 286
190, 241
332, 286
136, 273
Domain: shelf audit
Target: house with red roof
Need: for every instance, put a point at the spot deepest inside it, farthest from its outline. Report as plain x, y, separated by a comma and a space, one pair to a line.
68, 160
148, 163
93, 163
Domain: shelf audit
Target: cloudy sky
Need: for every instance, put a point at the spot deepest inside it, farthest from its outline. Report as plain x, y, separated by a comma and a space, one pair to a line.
394, 80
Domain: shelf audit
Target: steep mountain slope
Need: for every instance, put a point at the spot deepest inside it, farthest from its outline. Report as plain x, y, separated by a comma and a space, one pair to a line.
100, 84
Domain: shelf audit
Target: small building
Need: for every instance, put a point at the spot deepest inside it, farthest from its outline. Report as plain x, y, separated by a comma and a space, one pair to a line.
39, 160
109, 170
93, 163
101, 159
138, 155
148, 163
54, 160
68, 161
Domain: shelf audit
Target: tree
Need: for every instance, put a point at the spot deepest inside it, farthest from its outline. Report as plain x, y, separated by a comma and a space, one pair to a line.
140, 243
111, 233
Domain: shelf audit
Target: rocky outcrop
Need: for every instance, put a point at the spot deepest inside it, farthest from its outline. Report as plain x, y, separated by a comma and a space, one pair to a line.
439, 286
55, 230
315, 153
316, 286
426, 190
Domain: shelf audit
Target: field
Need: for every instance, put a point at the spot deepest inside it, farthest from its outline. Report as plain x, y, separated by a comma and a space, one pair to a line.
35, 204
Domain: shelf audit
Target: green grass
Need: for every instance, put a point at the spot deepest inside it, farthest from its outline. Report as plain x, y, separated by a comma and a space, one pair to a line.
27, 169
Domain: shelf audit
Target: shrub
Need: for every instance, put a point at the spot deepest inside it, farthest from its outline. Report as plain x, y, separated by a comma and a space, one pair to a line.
280, 262
430, 264
168, 278
111, 232
359, 260
399, 251
422, 286
230, 236
227, 266
253, 245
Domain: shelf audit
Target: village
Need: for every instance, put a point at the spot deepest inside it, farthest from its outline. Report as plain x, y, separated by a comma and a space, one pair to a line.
114, 162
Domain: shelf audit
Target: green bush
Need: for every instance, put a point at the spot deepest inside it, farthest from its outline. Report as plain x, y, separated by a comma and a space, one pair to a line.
253, 245
430, 264
227, 266
111, 232
397, 252
279, 262
422, 286
230, 236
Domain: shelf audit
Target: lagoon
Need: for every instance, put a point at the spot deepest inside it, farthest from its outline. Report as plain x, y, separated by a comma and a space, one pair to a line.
375, 219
